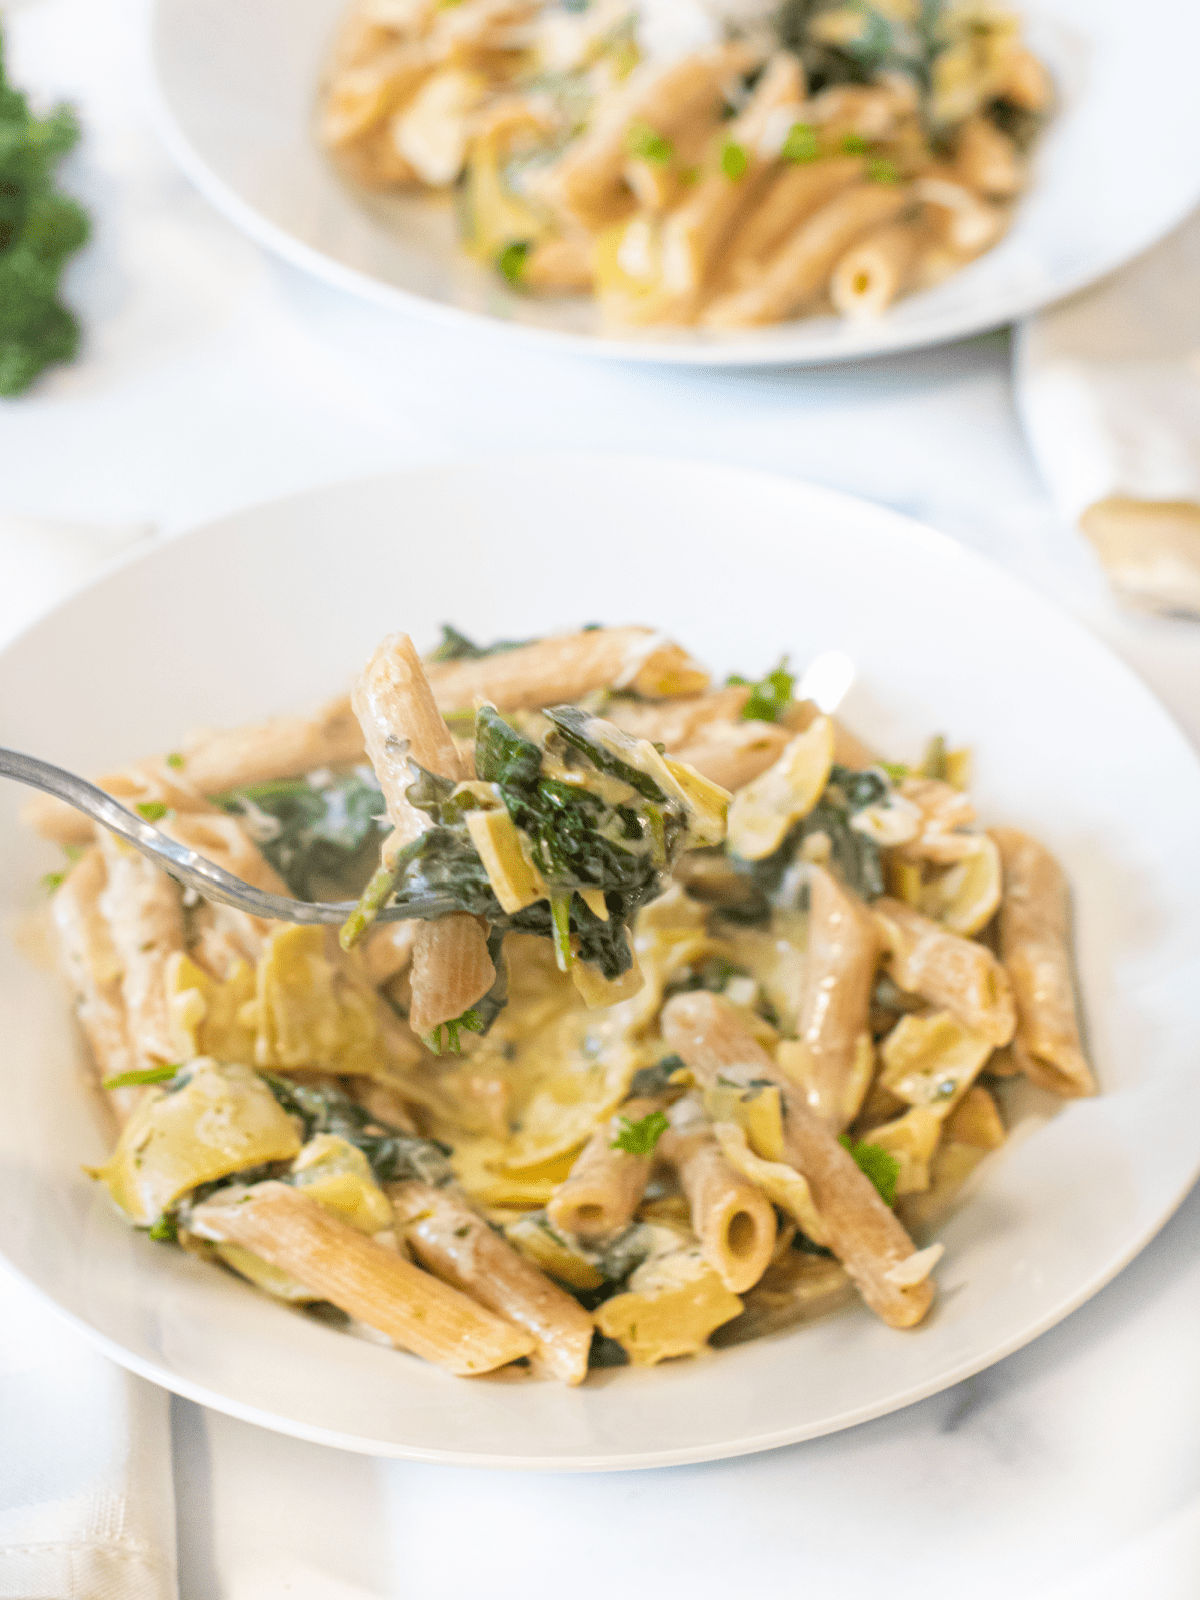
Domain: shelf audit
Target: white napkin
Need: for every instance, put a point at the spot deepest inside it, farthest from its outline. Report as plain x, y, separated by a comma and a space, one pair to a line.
1108, 388
87, 1500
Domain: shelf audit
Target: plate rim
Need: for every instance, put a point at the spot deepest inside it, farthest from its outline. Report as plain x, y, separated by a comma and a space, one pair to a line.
891, 338
891, 521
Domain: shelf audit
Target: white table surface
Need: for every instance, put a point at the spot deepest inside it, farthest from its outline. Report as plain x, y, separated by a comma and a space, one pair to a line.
212, 377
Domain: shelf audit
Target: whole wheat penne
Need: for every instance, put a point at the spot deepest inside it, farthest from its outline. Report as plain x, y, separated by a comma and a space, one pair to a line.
142, 907
839, 973
794, 194
606, 1184
694, 232
862, 1231
586, 181
454, 1242
377, 1286
733, 1220
958, 219
876, 270
1035, 950
394, 704
800, 268
93, 970
559, 265
222, 934
677, 723
213, 762
568, 666
736, 755
958, 974
1026, 82
363, 96
987, 160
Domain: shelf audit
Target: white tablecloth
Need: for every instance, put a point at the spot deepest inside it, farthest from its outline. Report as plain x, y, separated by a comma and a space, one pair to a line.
212, 377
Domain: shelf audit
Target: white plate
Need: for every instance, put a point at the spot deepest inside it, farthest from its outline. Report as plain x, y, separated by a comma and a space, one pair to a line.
236, 90
276, 607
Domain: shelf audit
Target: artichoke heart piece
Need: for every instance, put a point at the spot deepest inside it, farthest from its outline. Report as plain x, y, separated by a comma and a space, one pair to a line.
309, 1014
337, 1175
206, 1014
674, 1302
763, 811
556, 1255
758, 1111
222, 1120
964, 896
515, 881
932, 1060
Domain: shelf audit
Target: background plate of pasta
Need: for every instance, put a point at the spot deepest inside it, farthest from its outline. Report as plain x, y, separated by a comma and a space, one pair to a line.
801, 1014
752, 181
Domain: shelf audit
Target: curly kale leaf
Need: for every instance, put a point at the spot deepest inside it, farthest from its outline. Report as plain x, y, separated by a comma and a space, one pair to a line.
39, 229
392, 1153
317, 835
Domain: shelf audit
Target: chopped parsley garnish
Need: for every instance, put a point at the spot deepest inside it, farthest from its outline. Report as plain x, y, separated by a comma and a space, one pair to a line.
639, 1138
645, 143
734, 160
134, 1080
801, 143
39, 229
769, 696
853, 144
152, 810
52, 881
896, 770
445, 1040
877, 1164
882, 171
176, 760
165, 1230
510, 262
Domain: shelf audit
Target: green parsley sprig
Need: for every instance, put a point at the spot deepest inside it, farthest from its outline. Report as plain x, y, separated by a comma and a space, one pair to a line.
639, 1138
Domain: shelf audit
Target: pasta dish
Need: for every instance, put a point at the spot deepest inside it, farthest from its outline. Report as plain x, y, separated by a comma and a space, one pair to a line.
690, 170
705, 1023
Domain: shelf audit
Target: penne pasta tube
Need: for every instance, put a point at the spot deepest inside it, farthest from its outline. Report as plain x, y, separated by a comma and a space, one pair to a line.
694, 232
212, 763
959, 220
415, 1310
1026, 82
873, 272
586, 182
861, 1230
678, 723
732, 1218
1035, 950
142, 908
735, 755
93, 970
567, 667
800, 268
794, 194
606, 1184
363, 96
957, 974
223, 935
987, 160
839, 974
559, 265
394, 704
453, 1241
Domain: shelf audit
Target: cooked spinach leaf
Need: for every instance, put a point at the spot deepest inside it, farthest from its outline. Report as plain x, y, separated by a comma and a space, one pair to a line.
456, 646
392, 1153
656, 1079
853, 856
320, 832
576, 838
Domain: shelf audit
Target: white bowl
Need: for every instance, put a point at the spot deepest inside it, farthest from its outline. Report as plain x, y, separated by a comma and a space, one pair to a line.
236, 86
276, 607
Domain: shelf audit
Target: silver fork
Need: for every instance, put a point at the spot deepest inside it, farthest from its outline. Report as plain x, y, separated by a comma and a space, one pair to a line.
190, 868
